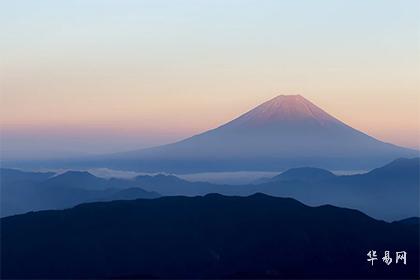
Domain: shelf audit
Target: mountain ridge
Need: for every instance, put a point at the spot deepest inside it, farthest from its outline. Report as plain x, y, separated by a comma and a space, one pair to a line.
390, 192
29, 191
212, 236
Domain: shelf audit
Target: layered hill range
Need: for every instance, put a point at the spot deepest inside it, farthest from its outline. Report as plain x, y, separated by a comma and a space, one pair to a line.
390, 192
286, 131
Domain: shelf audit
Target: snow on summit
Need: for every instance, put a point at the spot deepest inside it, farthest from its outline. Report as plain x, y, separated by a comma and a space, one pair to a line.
285, 108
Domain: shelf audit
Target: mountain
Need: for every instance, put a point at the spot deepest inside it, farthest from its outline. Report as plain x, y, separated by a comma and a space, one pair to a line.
172, 185
81, 179
415, 221
304, 174
130, 193
390, 192
28, 191
204, 237
11, 176
400, 169
286, 131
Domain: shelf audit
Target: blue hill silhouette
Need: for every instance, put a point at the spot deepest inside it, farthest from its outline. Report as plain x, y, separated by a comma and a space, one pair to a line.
390, 192
203, 237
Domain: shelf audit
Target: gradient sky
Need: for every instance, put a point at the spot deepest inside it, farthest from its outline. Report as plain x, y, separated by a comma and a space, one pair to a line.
95, 76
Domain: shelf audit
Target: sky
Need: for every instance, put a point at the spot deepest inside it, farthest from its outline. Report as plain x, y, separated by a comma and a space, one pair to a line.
98, 76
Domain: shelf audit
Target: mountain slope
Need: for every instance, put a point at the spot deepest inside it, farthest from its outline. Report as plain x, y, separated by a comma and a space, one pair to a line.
28, 191
304, 174
14, 176
79, 179
203, 237
286, 131
390, 192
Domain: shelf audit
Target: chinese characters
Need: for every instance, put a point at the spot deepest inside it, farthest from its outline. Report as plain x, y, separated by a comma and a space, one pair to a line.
400, 257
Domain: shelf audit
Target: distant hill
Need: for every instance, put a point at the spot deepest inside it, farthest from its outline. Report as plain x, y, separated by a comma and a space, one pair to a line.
400, 170
28, 191
172, 185
79, 179
129, 194
309, 174
9, 176
390, 192
415, 221
204, 237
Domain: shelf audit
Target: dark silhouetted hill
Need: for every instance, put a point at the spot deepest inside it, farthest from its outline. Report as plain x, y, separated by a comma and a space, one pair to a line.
411, 221
204, 237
